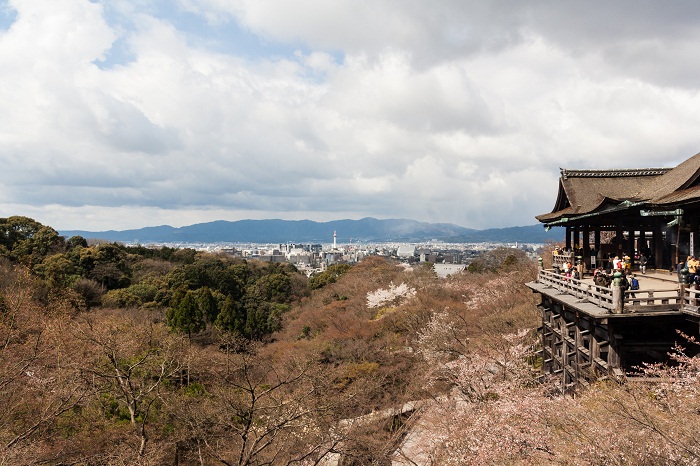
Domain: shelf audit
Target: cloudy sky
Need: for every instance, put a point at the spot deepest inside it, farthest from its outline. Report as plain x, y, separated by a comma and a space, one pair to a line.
121, 114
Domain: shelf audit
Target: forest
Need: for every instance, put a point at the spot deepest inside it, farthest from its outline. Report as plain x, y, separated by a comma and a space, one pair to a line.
121, 355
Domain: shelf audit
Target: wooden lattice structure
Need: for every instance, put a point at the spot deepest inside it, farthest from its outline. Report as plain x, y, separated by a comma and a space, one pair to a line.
586, 337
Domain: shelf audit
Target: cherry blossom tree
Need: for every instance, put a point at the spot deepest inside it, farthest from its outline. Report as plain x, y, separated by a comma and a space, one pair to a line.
392, 295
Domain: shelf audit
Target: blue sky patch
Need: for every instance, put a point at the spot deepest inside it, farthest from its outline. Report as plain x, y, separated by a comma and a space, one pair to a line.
119, 54
8, 15
227, 37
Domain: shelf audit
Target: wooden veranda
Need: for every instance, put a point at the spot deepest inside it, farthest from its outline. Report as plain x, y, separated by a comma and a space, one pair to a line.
589, 332
585, 338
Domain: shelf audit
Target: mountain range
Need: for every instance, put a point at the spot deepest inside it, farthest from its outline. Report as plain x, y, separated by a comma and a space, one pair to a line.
307, 231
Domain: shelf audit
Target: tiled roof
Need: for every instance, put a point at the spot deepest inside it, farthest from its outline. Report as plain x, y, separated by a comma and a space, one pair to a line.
679, 196
671, 185
586, 191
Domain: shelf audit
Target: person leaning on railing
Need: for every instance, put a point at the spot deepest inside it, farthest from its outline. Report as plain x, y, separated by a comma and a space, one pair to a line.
600, 278
624, 282
692, 264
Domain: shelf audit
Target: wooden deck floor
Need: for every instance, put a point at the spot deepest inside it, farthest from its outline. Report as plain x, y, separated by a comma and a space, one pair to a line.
652, 280
657, 294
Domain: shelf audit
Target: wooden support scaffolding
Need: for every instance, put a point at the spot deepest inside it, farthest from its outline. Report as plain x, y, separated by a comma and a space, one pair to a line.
584, 342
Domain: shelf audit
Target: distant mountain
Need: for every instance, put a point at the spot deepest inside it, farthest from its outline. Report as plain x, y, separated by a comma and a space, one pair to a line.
307, 231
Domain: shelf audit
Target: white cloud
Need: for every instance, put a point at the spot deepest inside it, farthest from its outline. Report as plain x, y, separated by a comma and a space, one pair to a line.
127, 114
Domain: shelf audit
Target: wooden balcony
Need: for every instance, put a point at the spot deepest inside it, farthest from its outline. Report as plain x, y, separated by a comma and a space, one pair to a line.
586, 337
659, 292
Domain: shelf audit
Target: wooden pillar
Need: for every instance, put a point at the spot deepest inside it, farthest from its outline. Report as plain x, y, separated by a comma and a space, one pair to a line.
565, 363
618, 299
659, 248
568, 237
630, 246
549, 336
614, 351
652, 244
546, 348
577, 347
596, 246
595, 345
586, 249
619, 233
557, 345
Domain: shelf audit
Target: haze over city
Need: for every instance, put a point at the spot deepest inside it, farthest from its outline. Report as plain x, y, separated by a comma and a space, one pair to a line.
125, 114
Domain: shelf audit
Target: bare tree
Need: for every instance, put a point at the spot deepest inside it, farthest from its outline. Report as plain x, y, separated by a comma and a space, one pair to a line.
40, 380
131, 361
260, 410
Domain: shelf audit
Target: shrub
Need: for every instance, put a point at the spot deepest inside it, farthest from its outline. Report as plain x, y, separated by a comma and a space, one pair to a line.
90, 291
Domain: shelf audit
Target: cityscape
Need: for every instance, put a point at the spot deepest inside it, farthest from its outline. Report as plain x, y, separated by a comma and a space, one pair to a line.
446, 258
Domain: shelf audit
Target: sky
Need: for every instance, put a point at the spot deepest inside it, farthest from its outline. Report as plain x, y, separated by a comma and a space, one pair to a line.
125, 114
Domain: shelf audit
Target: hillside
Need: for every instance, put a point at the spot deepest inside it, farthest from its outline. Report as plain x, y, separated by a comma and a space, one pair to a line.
307, 231
116, 354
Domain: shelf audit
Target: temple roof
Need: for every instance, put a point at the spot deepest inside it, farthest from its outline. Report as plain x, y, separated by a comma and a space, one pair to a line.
678, 184
587, 191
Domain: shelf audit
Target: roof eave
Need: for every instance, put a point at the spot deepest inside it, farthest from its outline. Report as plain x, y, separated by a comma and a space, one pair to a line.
624, 205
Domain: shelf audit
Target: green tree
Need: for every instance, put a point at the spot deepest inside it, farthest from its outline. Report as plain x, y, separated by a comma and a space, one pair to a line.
89, 290
330, 275
76, 242
107, 264
207, 303
15, 229
232, 317
28, 241
58, 270
274, 287
186, 316
263, 318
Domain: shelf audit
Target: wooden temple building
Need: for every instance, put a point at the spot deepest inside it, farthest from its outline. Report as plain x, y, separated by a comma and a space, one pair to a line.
591, 332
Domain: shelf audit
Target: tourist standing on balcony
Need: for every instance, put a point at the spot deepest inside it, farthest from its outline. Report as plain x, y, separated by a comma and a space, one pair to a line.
643, 263
692, 264
616, 264
634, 285
600, 278
679, 267
624, 282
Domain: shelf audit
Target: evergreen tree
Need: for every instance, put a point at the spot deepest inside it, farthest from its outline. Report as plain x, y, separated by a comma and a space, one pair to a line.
231, 317
208, 306
186, 316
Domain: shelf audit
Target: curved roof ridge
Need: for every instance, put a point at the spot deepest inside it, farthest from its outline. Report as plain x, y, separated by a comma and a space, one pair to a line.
618, 172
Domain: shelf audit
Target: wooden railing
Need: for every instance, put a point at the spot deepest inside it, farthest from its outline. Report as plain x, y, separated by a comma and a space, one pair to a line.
558, 260
691, 300
648, 300
600, 296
